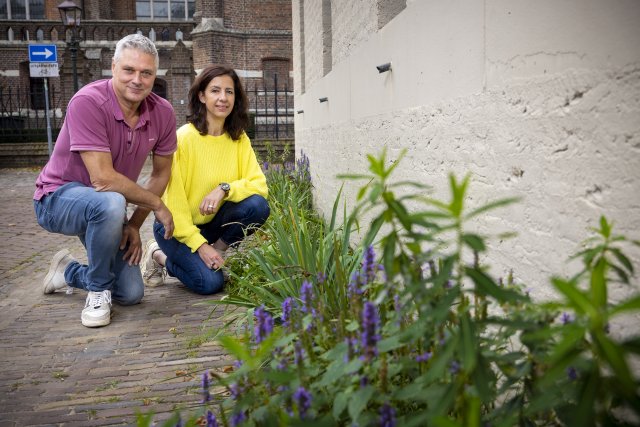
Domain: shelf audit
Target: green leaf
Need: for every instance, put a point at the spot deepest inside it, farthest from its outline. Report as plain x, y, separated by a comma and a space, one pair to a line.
599, 283
235, 347
390, 343
486, 286
469, 343
615, 358
474, 241
359, 400
605, 228
339, 403
576, 298
493, 205
632, 304
623, 259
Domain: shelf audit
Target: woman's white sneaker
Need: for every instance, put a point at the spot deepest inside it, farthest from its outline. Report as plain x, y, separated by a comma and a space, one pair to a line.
152, 272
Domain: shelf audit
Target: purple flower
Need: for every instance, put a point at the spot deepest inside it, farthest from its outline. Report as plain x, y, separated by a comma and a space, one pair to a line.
321, 277
179, 423
387, 416
206, 396
287, 311
566, 318
424, 357
303, 399
369, 336
265, 166
211, 420
264, 324
237, 418
455, 367
298, 353
369, 266
354, 288
351, 348
364, 381
306, 295
572, 373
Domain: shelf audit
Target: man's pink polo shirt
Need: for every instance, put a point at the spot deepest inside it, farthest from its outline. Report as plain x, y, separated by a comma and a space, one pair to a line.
94, 122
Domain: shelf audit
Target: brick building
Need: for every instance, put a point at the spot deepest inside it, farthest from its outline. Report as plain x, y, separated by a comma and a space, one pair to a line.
253, 36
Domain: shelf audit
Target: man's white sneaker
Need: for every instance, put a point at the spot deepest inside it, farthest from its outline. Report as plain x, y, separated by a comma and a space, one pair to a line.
97, 309
152, 272
54, 280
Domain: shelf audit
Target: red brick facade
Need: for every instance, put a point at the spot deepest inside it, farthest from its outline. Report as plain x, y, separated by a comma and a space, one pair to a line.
252, 36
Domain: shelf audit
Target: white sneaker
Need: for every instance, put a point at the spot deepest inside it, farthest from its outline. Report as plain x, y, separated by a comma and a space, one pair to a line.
54, 280
97, 309
152, 272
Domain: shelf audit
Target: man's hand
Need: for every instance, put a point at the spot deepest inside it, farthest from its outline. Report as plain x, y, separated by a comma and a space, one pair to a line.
166, 219
210, 256
131, 240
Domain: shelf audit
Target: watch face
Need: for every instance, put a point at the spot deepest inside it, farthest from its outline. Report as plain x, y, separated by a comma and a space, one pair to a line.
225, 187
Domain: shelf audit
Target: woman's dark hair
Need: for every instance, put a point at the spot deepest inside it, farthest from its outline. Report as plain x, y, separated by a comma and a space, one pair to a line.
237, 121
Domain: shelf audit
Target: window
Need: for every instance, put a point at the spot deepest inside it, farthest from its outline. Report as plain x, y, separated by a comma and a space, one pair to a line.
165, 10
22, 9
160, 88
37, 93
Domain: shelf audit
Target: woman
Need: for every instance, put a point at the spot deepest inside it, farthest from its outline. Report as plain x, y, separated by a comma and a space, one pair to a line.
217, 191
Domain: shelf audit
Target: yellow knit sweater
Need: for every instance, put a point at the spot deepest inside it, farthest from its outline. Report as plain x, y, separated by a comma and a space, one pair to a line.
199, 166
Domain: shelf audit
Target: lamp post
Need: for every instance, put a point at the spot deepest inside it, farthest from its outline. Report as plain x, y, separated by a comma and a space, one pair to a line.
70, 15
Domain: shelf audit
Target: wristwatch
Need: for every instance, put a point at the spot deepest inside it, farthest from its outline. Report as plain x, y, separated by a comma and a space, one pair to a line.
226, 188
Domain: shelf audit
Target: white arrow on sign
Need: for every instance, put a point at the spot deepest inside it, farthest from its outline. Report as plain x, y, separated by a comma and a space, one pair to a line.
47, 53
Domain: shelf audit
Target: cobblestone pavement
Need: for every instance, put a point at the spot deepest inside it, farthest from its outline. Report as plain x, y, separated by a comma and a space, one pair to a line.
56, 372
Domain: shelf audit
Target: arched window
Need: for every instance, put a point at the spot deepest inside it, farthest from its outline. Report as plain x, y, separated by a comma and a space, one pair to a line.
160, 87
39, 34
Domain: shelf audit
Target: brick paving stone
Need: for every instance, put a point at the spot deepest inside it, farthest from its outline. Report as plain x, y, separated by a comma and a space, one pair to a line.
54, 371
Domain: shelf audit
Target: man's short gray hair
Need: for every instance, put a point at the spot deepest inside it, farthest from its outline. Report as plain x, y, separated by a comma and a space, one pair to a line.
138, 42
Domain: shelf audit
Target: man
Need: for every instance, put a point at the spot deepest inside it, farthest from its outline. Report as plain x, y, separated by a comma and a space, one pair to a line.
109, 129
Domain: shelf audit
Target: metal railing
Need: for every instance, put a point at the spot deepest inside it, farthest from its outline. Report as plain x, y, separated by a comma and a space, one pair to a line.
22, 114
272, 109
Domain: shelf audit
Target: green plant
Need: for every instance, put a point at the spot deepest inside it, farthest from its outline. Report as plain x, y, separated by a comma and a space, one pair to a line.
422, 334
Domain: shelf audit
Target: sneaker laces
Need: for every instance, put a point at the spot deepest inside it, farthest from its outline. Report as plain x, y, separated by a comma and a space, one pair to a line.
97, 299
155, 271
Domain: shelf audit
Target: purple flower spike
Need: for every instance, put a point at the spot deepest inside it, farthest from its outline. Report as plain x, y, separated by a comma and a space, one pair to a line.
287, 311
306, 295
303, 399
387, 416
211, 420
455, 367
572, 373
238, 418
206, 396
566, 318
369, 336
264, 324
423, 357
369, 265
298, 353
321, 277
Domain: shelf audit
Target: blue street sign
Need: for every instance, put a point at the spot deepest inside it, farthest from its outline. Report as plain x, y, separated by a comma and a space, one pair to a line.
43, 53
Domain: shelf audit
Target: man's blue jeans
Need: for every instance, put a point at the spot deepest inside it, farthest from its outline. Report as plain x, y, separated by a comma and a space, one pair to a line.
97, 219
231, 224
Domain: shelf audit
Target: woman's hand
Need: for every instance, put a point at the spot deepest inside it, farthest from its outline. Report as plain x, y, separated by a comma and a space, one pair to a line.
212, 201
210, 256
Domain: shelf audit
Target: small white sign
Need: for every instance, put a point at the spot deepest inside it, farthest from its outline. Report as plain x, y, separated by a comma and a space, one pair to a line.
43, 69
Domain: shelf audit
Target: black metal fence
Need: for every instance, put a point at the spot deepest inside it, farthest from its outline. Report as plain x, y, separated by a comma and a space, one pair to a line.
22, 112
271, 107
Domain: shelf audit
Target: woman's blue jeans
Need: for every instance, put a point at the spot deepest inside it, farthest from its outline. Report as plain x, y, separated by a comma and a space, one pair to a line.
96, 217
231, 224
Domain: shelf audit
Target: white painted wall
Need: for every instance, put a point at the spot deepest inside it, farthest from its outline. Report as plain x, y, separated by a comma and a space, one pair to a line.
538, 99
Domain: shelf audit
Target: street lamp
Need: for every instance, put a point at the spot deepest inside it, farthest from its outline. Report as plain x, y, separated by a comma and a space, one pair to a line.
70, 14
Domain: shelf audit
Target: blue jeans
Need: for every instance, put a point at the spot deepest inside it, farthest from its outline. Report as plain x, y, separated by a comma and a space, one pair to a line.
231, 224
97, 219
